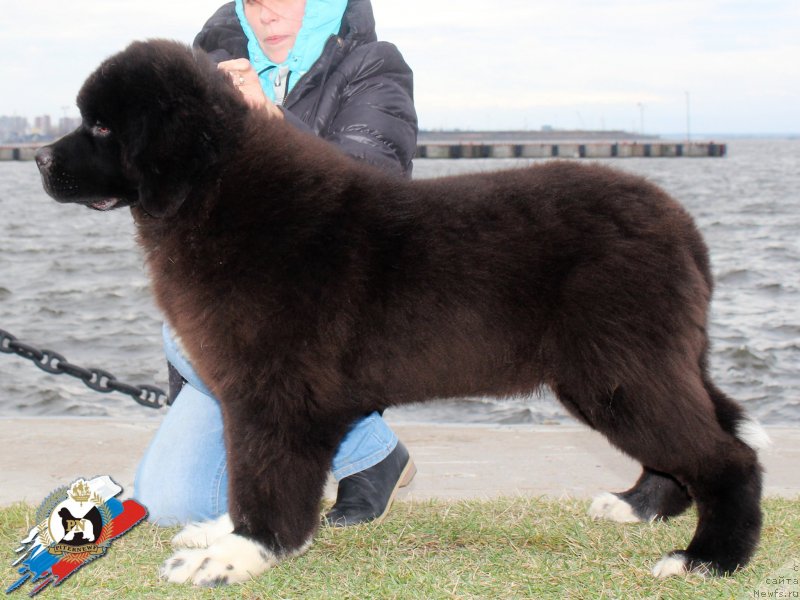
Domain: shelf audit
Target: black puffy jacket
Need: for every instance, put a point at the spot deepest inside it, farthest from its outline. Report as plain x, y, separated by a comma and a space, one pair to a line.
358, 94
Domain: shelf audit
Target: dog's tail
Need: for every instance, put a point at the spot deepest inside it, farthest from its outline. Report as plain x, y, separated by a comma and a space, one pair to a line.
731, 416
735, 420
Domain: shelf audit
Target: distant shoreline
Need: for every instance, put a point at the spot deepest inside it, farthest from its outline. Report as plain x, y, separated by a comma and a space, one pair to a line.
575, 135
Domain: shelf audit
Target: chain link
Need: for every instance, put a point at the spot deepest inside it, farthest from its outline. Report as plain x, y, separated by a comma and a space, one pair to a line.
96, 379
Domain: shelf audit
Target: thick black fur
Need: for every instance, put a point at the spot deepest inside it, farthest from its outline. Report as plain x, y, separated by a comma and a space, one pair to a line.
310, 289
657, 496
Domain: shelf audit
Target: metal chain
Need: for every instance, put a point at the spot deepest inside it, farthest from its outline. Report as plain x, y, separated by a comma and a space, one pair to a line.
97, 379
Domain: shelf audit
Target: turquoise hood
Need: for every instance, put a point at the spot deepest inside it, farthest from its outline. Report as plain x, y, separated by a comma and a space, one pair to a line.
322, 19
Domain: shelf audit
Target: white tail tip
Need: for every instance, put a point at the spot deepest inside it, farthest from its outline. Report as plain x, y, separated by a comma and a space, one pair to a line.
753, 434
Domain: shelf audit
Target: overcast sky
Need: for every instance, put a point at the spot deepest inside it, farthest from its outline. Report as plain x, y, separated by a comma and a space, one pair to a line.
494, 64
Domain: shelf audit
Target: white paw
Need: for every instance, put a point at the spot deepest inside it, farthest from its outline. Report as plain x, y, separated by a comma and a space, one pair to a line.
612, 507
203, 534
670, 565
230, 559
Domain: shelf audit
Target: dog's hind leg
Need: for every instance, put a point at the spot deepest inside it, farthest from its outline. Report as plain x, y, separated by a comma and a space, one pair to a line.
655, 496
660, 496
720, 472
726, 486
670, 424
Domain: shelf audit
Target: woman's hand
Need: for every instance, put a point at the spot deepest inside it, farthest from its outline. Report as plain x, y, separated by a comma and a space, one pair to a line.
245, 78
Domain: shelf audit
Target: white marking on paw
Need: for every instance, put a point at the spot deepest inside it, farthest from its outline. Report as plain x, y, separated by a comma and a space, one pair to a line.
670, 565
203, 534
612, 507
302, 549
231, 559
753, 434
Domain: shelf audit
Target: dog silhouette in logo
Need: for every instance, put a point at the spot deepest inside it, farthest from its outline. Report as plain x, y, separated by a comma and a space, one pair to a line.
80, 530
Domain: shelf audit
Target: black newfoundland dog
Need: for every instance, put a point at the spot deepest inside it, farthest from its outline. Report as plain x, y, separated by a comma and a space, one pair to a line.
309, 289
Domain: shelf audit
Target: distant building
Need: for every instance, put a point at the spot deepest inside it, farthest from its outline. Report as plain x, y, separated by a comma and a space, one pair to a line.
42, 126
67, 124
18, 129
13, 129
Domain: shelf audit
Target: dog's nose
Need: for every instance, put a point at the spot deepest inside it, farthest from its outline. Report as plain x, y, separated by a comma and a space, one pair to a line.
44, 157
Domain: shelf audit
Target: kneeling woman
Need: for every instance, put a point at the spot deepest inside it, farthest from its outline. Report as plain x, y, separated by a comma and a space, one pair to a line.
317, 64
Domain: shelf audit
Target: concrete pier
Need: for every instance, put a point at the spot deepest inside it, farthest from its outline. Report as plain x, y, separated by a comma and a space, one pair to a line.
571, 150
18, 151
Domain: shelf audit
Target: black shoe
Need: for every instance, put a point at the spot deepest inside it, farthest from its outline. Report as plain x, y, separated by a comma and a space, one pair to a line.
367, 495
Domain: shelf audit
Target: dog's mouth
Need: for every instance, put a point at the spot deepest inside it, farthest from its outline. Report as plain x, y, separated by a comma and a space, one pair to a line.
105, 204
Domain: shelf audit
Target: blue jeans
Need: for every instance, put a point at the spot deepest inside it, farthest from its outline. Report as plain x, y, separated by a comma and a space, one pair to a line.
183, 474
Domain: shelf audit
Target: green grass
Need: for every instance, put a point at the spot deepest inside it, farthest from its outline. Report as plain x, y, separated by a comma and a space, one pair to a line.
508, 548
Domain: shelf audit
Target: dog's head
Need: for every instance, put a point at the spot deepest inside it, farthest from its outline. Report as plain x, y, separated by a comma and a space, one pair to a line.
155, 120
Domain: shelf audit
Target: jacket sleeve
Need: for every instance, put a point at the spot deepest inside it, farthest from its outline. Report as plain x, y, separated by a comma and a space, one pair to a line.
376, 121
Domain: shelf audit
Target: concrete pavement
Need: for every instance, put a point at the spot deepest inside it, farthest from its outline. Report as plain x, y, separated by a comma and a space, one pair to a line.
453, 461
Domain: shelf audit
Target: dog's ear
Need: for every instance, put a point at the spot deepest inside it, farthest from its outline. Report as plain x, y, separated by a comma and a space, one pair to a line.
180, 111
160, 199
168, 154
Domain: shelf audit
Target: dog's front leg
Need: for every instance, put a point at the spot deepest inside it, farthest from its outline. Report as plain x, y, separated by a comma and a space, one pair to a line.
276, 480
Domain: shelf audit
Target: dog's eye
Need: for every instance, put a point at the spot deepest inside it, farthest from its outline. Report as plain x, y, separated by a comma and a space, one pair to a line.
100, 130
